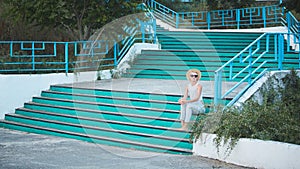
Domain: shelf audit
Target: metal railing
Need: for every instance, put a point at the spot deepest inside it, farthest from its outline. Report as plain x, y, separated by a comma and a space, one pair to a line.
44, 57
250, 64
219, 19
254, 53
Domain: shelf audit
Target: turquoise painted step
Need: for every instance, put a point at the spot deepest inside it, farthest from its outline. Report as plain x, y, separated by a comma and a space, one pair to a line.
186, 53
114, 93
169, 77
190, 47
205, 72
187, 39
212, 33
112, 100
109, 107
183, 68
209, 43
106, 123
124, 117
69, 124
181, 73
200, 60
192, 53
90, 138
203, 36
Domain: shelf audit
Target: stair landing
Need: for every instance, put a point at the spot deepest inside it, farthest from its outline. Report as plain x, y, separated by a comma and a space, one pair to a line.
161, 86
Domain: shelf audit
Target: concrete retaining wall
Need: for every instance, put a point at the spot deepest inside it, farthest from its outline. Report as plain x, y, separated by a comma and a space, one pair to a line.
251, 153
15, 90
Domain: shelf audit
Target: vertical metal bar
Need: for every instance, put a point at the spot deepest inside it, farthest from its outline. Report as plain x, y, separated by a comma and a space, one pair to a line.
208, 20
238, 18
143, 31
223, 18
267, 43
154, 31
250, 68
288, 19
218, 88
250, 16
54, 48
67, 56
177, 20
115, 54
32, 54
11, 48
281, 51
193, 24
264, 16
275, 46
230, 70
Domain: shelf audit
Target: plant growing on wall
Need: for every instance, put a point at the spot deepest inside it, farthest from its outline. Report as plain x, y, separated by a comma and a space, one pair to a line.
276, 117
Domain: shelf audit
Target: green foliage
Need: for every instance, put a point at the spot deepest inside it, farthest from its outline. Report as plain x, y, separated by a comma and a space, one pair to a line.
276, 117
204, 5
79, 18
292, 5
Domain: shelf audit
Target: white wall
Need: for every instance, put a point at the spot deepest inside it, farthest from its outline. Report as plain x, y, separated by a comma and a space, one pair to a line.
251, 153
15, 90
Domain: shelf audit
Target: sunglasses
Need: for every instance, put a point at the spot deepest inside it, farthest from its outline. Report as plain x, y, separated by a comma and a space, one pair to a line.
195, 76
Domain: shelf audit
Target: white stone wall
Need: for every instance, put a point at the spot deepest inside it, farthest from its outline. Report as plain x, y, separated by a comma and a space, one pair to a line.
251, 153
15, 90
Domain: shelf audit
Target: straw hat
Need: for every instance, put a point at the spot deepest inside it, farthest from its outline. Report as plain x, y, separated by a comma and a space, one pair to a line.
195, 71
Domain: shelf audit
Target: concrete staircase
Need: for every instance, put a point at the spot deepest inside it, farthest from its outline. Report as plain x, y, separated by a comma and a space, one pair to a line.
138, 120
206, 51
145, 119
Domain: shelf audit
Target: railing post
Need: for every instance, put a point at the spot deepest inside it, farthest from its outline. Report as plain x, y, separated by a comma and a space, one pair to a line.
276, 46
264, 16
288, 20
177, 20
250, 66
67, 56
154, 31
280, 50
32, 54
208, 20
11, 48
218, 88
267, 43
238, 18
115, 53
143, 31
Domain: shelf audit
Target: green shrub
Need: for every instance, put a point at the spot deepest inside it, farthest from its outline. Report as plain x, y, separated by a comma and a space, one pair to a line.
276, 117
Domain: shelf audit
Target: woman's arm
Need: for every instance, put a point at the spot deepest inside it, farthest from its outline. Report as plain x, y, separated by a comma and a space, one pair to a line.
185, 95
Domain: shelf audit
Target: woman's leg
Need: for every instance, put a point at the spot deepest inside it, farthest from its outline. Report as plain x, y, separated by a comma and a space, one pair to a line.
182, 115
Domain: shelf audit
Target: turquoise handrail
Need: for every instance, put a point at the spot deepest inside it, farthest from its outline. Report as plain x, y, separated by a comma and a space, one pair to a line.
252, 54
42, 56
218, 19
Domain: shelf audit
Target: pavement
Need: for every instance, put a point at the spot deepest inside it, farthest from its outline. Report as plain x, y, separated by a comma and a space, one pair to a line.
20, 150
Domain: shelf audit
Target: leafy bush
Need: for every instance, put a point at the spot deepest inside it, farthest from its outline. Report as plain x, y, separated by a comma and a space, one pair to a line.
275, 117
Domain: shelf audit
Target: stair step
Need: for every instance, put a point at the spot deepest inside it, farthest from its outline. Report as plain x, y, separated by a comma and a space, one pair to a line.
172, 131
145, 96
124, 117
93, 138
112, 100
109, 107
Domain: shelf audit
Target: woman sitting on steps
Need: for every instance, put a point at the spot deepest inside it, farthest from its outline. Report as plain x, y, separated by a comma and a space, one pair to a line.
192, 101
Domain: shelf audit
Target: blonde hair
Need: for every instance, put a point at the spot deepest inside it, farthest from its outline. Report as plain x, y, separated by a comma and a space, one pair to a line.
195, 71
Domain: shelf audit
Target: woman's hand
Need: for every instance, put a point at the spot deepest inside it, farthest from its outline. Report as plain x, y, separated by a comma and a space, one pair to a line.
182, 101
